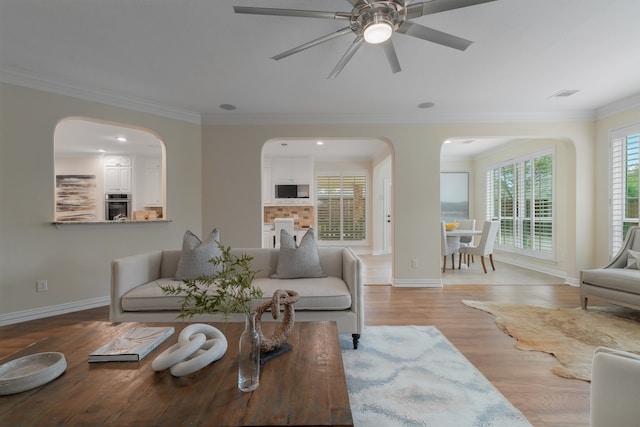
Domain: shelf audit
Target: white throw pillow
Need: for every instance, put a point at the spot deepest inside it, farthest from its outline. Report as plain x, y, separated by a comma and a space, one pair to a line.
296, 262
633, 259
195, 256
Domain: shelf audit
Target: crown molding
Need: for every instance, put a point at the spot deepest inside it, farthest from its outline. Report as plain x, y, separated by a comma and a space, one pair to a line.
416, 118
619, 106
33, 81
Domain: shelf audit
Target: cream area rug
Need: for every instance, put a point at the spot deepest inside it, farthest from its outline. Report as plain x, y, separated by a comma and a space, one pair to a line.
413, 376
571, 335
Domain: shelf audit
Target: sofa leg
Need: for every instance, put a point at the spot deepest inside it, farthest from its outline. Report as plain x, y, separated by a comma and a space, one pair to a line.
356, 338
583, 301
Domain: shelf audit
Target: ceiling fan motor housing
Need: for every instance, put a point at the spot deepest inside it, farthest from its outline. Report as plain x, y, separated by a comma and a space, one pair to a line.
365, 15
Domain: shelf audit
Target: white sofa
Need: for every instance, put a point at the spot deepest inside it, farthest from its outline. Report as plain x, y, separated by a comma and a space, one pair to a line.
615, 386
136, 295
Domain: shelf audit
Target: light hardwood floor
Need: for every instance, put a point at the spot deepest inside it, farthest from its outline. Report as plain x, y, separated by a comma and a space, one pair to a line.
523, 377
377, 271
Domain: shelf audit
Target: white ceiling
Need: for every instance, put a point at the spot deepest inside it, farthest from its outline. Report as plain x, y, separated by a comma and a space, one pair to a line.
187, 57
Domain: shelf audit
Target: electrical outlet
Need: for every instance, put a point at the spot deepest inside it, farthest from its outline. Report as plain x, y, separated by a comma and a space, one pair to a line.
415, 263
41, 286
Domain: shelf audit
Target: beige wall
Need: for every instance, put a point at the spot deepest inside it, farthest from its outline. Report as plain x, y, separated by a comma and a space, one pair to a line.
232, 155
76, 260
601, 206
214, 180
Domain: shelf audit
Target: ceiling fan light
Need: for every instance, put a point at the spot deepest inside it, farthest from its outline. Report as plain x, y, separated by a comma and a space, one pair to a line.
377, 32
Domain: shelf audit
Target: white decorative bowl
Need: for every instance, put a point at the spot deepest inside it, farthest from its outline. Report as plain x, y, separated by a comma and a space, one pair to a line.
31, 371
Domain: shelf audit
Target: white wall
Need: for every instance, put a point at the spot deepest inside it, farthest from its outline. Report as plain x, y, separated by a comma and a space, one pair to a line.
75, 260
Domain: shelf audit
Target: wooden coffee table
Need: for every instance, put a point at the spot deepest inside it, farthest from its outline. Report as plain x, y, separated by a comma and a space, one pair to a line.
304, 387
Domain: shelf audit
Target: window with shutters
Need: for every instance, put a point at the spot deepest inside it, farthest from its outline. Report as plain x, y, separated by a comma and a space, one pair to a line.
624, 180
341, 209
519, 194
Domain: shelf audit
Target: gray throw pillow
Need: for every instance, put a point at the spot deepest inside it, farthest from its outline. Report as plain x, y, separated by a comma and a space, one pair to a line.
195, 256
633, 259
296, 262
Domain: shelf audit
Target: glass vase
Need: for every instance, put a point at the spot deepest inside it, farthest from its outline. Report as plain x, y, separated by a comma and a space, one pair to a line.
249, 355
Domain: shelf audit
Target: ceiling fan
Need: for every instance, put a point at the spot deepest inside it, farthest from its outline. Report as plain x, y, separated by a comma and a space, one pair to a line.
374, 21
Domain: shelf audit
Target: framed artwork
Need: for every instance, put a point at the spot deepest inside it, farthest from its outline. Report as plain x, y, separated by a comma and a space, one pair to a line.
76, 198
454, 196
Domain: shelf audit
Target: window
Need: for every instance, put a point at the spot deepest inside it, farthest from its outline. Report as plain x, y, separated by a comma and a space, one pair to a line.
342, 207
520, 196
624, 184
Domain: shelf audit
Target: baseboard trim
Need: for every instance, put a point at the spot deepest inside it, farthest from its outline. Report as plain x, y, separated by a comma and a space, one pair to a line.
540, 269
417, 283
52, 310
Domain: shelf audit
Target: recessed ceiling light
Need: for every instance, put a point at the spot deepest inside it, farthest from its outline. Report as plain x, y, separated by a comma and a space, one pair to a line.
228, 107
319, 143
426, 105
102, 151
121, 139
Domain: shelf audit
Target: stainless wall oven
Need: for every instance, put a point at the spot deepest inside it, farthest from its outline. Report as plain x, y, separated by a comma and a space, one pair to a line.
117, 206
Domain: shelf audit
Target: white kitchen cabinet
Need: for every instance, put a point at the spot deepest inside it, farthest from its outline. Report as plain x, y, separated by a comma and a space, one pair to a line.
300, 232
267, 239
291, 170
267, 187
152, 182
117, 174
117, 161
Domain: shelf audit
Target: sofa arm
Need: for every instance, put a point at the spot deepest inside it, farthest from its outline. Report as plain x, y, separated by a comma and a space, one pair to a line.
352, 276
130, 272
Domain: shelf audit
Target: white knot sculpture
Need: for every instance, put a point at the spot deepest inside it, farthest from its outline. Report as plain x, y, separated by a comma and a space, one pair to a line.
193, 351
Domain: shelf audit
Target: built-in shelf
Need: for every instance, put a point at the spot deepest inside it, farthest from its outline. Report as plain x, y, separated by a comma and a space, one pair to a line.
65, 224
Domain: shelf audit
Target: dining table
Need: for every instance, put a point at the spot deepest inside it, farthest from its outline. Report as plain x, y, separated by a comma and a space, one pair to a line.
461, 233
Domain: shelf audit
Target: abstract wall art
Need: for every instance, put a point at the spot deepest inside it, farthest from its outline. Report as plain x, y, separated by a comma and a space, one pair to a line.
76, 198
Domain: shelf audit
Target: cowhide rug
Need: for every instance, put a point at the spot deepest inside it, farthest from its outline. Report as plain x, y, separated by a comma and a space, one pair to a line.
571, 335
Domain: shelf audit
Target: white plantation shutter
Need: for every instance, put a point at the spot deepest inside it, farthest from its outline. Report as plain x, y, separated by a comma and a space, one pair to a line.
624, 179
341, 207
617, 195
519, 194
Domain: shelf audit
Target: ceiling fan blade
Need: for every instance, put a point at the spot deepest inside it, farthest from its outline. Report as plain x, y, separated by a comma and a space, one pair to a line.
290, 12
346, 57
392, 58
312, 43
436, 6
434, 36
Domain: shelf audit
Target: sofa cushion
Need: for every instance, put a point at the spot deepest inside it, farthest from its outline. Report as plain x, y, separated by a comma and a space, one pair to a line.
327, 293
633, 259
620, 279
151, 297
195, 256
297, 262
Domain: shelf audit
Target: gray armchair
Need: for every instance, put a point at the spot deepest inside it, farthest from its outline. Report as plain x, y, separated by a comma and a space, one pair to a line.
614, 283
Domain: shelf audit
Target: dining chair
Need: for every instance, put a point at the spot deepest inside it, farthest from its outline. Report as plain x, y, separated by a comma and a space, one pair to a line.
448, 246
286, 224
466, 224
485, 246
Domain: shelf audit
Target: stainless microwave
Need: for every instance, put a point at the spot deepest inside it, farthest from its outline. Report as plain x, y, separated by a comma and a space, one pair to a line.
292, 191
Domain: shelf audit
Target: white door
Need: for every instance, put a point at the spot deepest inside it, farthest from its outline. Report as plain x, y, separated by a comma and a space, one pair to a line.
386, 234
